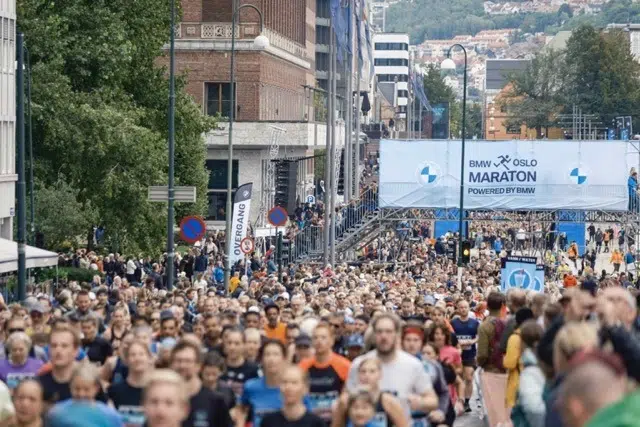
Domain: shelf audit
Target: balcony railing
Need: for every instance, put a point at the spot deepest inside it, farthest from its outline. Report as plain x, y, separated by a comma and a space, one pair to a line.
222, 31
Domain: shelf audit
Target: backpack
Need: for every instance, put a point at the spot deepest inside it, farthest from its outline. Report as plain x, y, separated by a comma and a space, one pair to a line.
496, 352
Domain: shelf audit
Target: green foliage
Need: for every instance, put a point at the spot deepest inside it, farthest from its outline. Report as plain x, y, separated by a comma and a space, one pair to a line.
318, 164
537, 95
63, 220
596, 73
435, 88
602, 74
443, 19
65, 273
100, 113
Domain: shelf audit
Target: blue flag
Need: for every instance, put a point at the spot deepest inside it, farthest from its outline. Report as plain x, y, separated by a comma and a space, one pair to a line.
341, 20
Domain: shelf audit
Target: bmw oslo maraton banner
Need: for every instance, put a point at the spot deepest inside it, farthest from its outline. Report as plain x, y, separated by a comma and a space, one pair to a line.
516, 174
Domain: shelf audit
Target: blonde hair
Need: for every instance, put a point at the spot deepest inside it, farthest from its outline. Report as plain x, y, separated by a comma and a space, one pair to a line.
18, 336
86, 372
572, 338
169, 377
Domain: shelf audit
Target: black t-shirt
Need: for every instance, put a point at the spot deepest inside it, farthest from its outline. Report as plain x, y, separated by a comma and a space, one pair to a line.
128, 402
208, 409
98, 350
235, 377
277, 419
227, 394
55, 392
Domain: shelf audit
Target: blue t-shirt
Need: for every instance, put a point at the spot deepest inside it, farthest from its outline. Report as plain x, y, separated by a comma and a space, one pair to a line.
261, 398
77, 413
466, 330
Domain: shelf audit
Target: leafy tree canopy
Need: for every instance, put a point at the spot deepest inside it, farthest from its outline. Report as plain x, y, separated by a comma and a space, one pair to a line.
100, 114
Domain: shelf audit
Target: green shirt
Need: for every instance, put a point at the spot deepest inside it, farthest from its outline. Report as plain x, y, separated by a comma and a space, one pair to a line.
624, 413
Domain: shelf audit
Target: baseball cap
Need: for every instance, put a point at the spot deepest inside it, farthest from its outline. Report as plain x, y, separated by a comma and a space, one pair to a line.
166, 315
303, 340
253, 309
37, 308
284, 295
355, 340
429, 300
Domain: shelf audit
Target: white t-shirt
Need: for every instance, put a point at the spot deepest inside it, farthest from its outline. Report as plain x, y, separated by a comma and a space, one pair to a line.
402, 376
131, 267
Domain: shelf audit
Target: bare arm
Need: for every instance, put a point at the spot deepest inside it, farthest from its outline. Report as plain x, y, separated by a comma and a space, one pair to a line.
393, 408
340, 411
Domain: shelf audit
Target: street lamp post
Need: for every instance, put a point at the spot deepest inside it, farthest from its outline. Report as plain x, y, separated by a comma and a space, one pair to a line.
260, 42
172, 113
448, 64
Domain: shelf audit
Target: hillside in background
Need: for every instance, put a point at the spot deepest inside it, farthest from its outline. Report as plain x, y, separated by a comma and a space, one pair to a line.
444, 19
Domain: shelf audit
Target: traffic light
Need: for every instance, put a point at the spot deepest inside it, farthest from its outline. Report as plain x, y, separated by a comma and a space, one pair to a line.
466, 252
341, 174
286, 175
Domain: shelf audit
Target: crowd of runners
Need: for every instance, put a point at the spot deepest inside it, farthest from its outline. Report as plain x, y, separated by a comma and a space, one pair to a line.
395, 340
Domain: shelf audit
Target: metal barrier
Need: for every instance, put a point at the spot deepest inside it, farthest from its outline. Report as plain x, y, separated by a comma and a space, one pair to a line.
309, 242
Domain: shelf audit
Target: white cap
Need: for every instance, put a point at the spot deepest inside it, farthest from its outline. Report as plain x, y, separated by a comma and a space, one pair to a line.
253, 309
284, 295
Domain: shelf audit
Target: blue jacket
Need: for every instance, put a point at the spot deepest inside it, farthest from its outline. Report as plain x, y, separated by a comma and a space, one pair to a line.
218, 274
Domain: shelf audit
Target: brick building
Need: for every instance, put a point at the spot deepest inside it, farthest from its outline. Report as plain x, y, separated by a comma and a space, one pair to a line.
273, 87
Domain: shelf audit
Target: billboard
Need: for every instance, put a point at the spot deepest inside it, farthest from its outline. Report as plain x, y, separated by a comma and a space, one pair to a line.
521, 272
511, 175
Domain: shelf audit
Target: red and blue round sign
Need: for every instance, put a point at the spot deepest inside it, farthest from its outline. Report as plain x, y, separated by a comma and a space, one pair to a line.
278, 216
192, 229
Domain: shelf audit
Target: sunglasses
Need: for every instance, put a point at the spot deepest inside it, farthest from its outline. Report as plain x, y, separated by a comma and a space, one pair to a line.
12, 330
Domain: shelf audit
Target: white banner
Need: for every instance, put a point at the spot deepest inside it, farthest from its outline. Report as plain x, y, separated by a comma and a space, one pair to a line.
240, 220
512, 175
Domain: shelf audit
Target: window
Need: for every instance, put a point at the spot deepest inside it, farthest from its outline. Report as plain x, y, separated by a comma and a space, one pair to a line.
392, 77
217, 188
218, 99
403, 94
391, 46
513, 128
218, 174
322, 61
322, 35
391, 62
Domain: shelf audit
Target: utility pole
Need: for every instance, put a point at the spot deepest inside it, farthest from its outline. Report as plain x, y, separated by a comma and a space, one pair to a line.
328, 164
171, 184
348, 149
356, 166
334, 188
22, 186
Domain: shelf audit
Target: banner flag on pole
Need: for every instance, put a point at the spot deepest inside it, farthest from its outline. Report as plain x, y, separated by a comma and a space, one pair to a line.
340, 14
240, 220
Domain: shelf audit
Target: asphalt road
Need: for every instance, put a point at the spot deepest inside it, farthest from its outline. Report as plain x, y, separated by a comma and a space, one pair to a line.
468, 420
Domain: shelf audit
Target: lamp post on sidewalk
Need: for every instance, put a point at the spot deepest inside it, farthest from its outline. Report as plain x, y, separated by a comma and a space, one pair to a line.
260, 42
448, 64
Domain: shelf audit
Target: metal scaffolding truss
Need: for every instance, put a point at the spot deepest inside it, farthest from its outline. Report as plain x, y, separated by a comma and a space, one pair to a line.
540, 216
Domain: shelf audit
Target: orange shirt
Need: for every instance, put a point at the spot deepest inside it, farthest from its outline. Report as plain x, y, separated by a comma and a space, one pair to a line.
570, 281
278, 333
326, 382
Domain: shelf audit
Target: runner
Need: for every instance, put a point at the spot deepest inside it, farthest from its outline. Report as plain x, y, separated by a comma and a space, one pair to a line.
327, 372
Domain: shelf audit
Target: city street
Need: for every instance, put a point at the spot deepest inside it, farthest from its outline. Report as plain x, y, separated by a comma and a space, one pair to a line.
469, 420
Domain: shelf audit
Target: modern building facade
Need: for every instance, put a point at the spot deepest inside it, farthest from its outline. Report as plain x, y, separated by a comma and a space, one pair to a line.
276, 113
391, 63
8, 175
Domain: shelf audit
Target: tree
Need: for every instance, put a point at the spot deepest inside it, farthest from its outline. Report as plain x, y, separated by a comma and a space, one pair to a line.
100, 113
435, 88
536, 95
70, 221
602, 74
